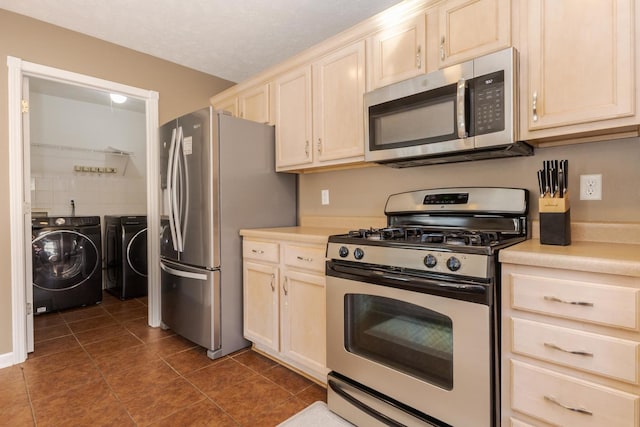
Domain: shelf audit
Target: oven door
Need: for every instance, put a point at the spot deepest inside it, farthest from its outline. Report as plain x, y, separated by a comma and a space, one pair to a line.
430, 352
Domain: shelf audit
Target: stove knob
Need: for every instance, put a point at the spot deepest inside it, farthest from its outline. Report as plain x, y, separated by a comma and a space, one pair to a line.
453, 264
358, 253
430, 261
343, 251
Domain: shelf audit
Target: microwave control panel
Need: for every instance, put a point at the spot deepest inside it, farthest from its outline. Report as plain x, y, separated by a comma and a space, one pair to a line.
487, 103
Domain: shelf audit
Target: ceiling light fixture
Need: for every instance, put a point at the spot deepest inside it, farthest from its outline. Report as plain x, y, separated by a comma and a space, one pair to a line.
117, 98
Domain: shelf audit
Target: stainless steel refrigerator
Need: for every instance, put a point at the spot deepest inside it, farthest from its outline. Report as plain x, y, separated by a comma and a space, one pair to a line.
217, 176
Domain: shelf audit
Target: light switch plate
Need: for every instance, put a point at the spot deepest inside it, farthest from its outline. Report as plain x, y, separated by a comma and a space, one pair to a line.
325, 196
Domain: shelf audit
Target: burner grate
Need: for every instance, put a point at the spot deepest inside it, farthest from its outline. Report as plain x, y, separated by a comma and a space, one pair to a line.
427, 235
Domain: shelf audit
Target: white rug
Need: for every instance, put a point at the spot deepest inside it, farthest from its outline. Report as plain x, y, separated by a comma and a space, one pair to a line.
315, 415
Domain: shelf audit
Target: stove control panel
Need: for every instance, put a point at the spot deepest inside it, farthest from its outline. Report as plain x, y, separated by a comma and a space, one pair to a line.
424, 259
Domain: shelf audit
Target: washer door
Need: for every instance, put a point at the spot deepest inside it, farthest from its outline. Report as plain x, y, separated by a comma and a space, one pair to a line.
63, 259
137, 253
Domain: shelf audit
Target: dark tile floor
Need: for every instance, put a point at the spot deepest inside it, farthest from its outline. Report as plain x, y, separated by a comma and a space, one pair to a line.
103, 366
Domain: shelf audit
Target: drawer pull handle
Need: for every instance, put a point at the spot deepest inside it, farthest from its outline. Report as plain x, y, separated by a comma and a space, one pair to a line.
582, 303
304, 259
578, 410
576, 352
257, 251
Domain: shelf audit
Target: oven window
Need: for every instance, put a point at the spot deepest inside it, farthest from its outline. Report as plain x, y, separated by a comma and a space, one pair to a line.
403, 336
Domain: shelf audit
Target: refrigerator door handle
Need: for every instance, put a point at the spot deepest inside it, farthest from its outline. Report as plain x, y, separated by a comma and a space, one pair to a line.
174, 196
180, 273
171, 189
184, 191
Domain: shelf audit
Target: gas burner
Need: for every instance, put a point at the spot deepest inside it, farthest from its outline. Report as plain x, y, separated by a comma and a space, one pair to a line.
471, 238
425, 235
378, 233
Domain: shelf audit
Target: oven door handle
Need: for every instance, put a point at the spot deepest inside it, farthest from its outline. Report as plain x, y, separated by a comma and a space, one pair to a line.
459, 289
479, 289
363, 407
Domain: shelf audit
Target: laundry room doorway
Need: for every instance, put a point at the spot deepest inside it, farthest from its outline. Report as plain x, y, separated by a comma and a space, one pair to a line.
76, 153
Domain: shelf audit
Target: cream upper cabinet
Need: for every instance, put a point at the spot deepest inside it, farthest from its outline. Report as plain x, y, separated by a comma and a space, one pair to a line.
398, 52
254, 104
229, 105
578, 66
293, 119
338, 116
471, 28
319, 120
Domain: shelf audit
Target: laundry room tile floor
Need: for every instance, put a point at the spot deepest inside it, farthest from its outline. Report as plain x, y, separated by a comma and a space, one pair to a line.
103, 366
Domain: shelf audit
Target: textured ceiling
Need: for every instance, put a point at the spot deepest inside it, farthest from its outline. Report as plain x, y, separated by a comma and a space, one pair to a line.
233, 39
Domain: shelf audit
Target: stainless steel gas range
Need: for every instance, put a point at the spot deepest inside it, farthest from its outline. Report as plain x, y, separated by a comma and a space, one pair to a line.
412, 309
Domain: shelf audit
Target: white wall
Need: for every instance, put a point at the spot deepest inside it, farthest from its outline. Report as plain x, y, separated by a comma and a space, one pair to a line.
79, 133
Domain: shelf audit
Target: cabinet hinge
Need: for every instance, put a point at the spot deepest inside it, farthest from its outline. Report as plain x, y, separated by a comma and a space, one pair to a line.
25, 106
29, 309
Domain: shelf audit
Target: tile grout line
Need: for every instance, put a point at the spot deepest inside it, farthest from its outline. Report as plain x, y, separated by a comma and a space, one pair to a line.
257, 369
206, 396
95, 365
26, 386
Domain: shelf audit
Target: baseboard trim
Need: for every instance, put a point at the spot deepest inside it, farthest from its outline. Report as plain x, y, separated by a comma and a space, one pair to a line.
6, 360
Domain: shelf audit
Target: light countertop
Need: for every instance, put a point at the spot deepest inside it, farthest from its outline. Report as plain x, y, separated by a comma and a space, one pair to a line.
597, 257
298, 234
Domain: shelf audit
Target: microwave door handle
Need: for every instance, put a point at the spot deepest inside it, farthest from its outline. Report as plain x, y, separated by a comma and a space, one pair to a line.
461, 106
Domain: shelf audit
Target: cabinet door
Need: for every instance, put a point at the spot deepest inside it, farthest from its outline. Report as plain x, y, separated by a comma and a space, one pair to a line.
293, 119
303, 320
338, 114
260, 282
254, 104
398, 53
228, 104
471, 28
579, 62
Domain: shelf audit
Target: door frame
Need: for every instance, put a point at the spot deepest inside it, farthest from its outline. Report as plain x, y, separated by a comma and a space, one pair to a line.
17, 69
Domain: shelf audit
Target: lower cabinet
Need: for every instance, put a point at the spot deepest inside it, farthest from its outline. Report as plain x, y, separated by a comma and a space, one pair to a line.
284, 302
570, 348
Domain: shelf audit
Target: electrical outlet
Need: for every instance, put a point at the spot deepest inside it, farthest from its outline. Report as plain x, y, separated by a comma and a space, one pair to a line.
325, 196
591, 187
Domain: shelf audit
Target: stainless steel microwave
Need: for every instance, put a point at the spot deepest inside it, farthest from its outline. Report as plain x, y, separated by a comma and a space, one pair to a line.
464, 112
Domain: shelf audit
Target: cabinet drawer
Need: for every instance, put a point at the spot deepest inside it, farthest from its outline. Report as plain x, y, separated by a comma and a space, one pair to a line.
601, 304
307, 257
600, 354
563, 400
264, 251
